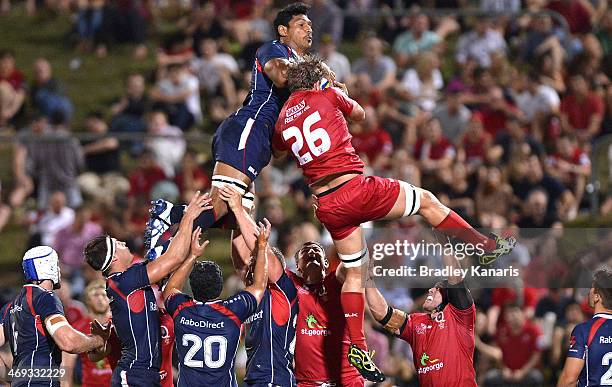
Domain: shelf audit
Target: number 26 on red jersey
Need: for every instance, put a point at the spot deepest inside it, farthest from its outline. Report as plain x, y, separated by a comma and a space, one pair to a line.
312, 137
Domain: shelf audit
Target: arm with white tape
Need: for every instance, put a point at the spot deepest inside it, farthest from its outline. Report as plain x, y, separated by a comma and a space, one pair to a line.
69, 339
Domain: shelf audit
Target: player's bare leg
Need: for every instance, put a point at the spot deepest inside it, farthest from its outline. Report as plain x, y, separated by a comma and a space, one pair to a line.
414, 200
353, 253
164, 214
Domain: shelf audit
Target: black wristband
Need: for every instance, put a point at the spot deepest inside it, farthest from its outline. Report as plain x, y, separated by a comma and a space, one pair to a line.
387, 317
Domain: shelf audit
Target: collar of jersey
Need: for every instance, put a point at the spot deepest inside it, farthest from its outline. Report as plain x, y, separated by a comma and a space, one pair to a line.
605, 315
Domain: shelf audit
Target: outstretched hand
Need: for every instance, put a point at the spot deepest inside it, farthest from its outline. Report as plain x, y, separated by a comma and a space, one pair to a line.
197, 249
263, 232
198, 204
98, 329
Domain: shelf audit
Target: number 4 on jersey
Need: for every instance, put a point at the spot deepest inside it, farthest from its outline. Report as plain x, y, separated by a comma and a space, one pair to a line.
311, 137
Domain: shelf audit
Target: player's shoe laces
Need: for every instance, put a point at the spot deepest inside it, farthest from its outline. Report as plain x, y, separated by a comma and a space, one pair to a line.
503, 246
159, 222
362, 360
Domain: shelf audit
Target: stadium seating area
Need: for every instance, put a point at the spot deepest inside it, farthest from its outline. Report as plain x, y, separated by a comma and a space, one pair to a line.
496, 107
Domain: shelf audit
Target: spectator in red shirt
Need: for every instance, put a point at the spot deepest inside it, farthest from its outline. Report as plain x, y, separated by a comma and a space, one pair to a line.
434, 152
577, 15
496, 111
12, 93
520, 343
474, 143
371, 140
581, 110
145, 176
571, 165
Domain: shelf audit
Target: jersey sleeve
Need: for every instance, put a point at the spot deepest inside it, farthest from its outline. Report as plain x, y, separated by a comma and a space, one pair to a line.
174, 301
464, 317
341, 100
47, 304
242, 304
268, 52
287, 286
277, 137
406, 330
578, 342
135, 277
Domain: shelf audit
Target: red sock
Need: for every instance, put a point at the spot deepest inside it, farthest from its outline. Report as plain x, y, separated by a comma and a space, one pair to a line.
455, 226
353, 304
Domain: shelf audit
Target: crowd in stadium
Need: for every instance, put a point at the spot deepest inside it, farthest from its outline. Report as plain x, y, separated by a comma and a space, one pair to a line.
495, 115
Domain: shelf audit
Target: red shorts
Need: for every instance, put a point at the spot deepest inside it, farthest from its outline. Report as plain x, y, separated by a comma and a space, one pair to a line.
361, 199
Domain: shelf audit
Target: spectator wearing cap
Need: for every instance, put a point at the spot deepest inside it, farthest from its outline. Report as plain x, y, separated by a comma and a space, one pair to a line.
336, 61
452, 114
480, 43
379, 68
581, 110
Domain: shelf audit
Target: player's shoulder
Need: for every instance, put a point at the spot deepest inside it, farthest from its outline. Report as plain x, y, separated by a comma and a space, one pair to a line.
42, 294
242, 296
272, 46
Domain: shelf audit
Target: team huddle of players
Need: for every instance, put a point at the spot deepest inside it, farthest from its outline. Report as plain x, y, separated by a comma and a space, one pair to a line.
301, 328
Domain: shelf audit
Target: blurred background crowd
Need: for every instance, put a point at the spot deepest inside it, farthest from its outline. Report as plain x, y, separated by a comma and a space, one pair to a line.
501, 108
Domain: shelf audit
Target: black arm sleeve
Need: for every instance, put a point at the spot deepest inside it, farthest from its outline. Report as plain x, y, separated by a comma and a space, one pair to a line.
459, 296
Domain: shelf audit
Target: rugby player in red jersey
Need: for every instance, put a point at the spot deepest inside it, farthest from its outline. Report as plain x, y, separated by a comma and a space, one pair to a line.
442, 338
99, 373
321, 343
312, 125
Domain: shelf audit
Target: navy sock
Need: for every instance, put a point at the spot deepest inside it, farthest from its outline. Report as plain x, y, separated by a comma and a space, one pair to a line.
176, 213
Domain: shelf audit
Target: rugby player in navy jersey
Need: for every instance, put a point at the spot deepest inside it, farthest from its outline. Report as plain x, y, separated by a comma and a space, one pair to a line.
132, 301
241, 145
207, 331
35, 327
589, 359
270, 331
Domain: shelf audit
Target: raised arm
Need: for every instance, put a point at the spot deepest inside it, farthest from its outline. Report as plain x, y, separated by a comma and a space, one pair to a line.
276, 70
244, 242
390, 318
179, 247
458, 295
260, 275
177, 280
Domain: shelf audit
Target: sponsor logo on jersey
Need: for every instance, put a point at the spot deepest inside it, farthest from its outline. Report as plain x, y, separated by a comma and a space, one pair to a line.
314, 328
428, 364
254, 316
605, 340
201, 323
422, 328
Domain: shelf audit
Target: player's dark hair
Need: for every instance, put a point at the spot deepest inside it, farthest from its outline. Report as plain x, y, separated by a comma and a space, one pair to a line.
303, 75
95, 252
206, 281
602, 283
285, 15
